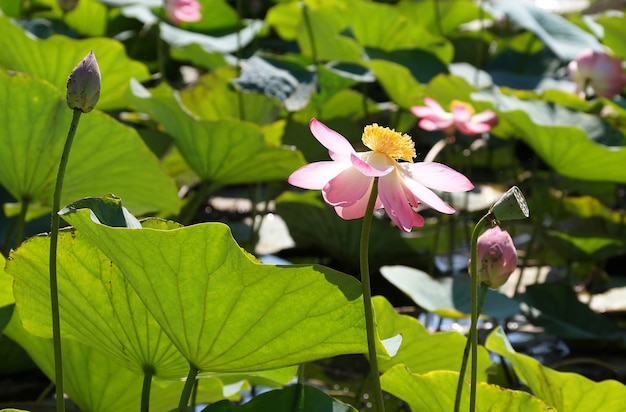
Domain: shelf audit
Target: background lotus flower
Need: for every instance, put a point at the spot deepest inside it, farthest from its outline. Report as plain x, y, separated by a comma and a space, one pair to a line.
346, 181
462, 117
601, 72
179, 11
497, 257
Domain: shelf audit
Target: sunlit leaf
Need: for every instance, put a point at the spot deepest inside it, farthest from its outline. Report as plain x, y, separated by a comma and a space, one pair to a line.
106, 157
422, 351
53, 59
447, 297
225, 312
223, 151
575, 144
97, 304
97, 383
435, 392
564, 391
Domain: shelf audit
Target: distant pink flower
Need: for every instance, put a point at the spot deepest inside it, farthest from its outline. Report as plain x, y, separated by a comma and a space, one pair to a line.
346, 181
497, 257
601, 72
179, 11
461, 118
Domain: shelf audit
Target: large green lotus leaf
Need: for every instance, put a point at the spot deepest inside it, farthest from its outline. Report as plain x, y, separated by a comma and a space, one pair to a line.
213, 98
435, 392
556, 307
224, 311
422, 351
397, 80
332, 38
97, 383
97, 305
106, 155
54, 59
385, 27
302, 398
222, 151
564, 391
6, 285
89, 18
575, 144
447, 297
442, 17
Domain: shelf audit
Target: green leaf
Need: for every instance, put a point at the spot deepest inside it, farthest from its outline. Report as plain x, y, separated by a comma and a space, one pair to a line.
614, 32
435, 392
422, 351
564, 391
98, 306
397, 80
106, 157
565, 39
441, 17
97, 383
447, 297
556, 307
302, 398
575, 144
226, 103
54, 59
225, 312
223, 151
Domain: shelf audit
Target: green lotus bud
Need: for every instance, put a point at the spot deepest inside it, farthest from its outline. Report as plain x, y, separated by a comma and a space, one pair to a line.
67, 5
83, 85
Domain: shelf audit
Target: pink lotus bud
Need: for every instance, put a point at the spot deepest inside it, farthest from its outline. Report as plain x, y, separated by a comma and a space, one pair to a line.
67, 5
497, 257
179, 11
601, 72
83, 85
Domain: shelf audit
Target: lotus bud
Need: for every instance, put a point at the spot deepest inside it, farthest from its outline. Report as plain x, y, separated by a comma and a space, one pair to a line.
497, 257
83, 85
601, 72
67, 5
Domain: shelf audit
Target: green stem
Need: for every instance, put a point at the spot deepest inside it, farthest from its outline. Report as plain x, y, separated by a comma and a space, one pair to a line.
367, 298
145, 389
197, 197
484, 221
459, 386
186, 393
54, 243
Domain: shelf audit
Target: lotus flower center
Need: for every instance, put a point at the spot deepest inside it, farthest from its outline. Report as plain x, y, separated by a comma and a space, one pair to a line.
466, 106
387, 141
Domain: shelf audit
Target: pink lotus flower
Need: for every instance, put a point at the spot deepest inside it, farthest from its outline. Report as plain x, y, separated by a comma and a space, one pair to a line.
601, 72
462, 118
497, 257
179, 11
346, 181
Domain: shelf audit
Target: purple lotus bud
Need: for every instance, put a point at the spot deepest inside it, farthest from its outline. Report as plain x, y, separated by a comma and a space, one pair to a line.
83, 85
67, 5
497, 257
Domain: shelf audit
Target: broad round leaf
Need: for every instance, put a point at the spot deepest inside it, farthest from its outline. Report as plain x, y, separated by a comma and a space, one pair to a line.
564, 391
97, 305
435, 392
106, 156
224, 311
53, 59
